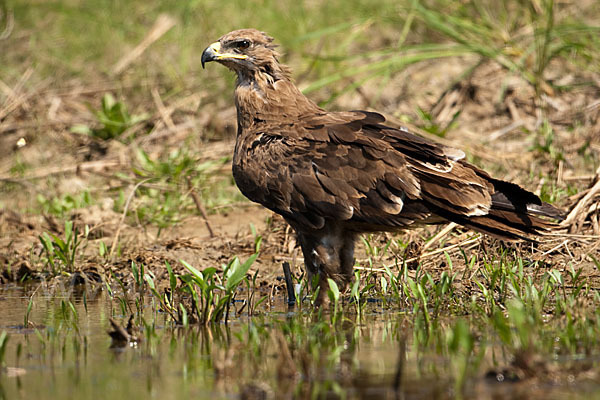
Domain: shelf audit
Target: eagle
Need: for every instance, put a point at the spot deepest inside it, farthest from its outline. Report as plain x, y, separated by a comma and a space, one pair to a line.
335, 175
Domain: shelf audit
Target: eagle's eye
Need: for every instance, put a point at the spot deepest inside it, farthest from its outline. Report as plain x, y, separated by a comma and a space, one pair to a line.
242, 44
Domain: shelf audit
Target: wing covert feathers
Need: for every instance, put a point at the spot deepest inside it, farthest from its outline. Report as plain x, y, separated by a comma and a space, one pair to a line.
349, 167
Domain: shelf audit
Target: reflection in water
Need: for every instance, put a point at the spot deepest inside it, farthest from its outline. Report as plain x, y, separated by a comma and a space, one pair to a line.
64, 351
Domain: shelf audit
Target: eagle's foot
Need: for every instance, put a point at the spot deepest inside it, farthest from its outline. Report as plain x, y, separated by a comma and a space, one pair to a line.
319, 281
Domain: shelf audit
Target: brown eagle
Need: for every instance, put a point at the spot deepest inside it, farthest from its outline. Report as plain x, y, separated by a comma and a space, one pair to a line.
333, 175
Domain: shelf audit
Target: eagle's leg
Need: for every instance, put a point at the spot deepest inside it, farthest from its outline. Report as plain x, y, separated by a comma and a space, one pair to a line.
347, 257
327, 254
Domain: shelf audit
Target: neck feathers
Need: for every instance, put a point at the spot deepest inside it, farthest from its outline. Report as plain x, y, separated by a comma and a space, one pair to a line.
267, 95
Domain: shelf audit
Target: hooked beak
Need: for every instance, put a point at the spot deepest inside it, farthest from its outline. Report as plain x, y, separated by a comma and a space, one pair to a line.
213, 53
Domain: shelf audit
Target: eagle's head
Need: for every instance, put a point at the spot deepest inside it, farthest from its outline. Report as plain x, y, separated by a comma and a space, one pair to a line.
264, 89
246, 51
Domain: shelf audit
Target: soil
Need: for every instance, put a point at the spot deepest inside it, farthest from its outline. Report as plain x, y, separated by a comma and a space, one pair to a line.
498, 126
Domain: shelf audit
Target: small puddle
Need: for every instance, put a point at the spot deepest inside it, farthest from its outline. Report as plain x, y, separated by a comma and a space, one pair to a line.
65, 352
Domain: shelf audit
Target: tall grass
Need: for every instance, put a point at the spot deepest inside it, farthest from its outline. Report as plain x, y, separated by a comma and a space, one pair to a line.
326, 42
523, 37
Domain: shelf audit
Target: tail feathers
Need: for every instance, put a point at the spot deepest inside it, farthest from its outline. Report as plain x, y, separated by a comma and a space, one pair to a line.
515, 224
504, 225
518, 204
509, 221
509, 196
546, 210
512, 225
509, 226
513, 213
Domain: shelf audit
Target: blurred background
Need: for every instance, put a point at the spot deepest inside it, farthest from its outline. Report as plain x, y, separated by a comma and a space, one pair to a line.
99, 96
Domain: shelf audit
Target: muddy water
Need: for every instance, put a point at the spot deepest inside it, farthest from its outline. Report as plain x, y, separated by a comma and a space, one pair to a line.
66, 353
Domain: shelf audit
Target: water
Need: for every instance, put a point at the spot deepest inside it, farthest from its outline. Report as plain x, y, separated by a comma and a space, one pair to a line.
66, 354
60, 356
